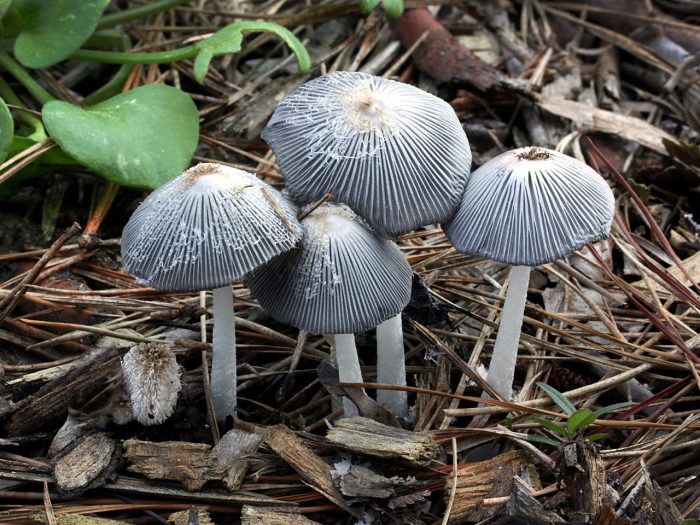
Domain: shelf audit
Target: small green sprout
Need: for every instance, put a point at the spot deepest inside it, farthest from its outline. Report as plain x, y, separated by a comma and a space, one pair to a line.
577, 423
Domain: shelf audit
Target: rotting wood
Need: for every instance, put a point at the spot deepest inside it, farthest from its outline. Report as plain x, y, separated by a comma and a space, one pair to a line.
305, 462
658, 506
362, 482
192, 464
440, 55
87, 465
479, 480
523, 507
584, 474
272, 516
50, 404
233, 451
366, 436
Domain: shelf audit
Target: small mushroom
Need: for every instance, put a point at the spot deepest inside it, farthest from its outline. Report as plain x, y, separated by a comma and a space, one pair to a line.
395, 154
527, 207
206, 229
342, 279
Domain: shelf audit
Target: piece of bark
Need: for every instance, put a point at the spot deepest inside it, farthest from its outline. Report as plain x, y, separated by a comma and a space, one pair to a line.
233, 451
50, 404
659, 507
478, 480
362, 482
193, 516
305, 462
192, 464
595, 119
366, 436
87, 465
585, 477
272, 516
440, 55
526, 509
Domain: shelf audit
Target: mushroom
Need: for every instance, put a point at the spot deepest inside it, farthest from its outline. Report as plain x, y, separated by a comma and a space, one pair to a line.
342, 279
527, 207
206, 229
395, 154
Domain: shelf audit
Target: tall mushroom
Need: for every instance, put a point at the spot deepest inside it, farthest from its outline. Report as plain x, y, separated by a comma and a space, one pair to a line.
206, 229
342, 279
395, 154
527, 207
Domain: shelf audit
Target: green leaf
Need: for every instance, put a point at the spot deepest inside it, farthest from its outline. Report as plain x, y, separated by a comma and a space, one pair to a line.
580, 419
552, 426
367, 6
229, 38
596, 437
140, 138
54, 29
7, 129
612, 408
393, 8
543, 439
4, 6
558, 398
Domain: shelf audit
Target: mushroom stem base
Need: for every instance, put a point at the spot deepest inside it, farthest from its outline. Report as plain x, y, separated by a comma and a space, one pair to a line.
348, 367
505, 352
391, 365
223, 361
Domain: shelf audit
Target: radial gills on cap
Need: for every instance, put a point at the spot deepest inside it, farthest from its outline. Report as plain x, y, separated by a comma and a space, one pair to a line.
343, 278
531, 206
397, 155
207, 228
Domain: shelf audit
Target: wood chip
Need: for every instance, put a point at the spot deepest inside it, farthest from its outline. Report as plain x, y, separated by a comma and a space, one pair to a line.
362, 482
479, 480
366, 436
272, 516
76, 519
585, 478
305, 462
233, 451
86, 466
192, 464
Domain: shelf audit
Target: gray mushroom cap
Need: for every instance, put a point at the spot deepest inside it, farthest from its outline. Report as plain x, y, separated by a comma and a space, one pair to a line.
531, 206
343, 278
394, 153
207, 228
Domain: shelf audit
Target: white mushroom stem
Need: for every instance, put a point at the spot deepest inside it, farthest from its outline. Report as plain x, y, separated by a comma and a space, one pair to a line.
223, 361
505, 353
348, 367
391, 366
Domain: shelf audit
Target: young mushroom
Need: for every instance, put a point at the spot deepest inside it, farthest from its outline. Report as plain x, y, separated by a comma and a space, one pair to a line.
342, 279
204, 230
395, 154
527, 207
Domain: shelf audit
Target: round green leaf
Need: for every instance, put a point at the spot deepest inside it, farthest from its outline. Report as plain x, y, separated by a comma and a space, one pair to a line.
393, 8
7, 129
229, 38
54, 29
140, 138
